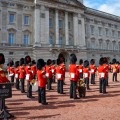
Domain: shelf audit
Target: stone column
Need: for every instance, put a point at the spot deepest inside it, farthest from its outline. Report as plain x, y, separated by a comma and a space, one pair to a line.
47, 25
66, 29
37, 24
75, 28
56, 27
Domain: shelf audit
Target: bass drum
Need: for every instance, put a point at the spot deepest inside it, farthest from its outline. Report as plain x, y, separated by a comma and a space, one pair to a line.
35, 87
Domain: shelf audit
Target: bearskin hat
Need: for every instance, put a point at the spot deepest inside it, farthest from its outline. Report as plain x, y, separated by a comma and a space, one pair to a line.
16, 64
114, 61
58, 62
40, 63
81, 61
86, 63
27, 59
73, 58
2, 58
49, 61
22, 61
33, 62
11, 63
53, 62
92, 61
101, 61
61, 58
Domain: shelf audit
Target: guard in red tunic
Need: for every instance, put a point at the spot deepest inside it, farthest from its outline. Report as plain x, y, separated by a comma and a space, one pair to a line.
49, 74
22, 74
34, 69
102, 76
11, 70
59, 77
42, 81
80, 68
92, 71
74, 76
86, 73
29, 76
16, 71
53, 66
3, 78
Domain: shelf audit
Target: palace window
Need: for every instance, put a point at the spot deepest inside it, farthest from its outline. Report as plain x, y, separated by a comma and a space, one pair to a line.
51, 39
118, 34
60, 40
11, 38
60, 23
50, 22
100, 31
26, 20
69, 24
113, 33
92, 29
26, 39
11, 18
107, 32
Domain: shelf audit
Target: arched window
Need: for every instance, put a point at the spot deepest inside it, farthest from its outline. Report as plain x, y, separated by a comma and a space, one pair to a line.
100, 44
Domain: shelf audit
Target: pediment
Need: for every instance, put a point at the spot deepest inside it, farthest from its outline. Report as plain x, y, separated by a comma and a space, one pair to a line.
68, 2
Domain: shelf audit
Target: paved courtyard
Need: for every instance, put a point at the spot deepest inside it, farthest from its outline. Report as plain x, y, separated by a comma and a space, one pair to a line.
94, 106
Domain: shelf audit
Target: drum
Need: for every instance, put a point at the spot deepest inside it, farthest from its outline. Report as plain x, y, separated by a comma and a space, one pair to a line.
35, 87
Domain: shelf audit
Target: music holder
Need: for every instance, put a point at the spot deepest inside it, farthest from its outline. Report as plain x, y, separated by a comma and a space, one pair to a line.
5, 92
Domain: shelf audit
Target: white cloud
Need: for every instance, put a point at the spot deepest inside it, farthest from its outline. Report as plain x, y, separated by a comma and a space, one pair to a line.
110, 6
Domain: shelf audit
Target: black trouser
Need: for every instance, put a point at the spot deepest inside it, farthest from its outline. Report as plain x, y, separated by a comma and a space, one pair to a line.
17, 84
115, 76
12, 78
86, 80
60, 86
22, 81
49, 82
73, 86
81, 75
53, 78
102, 85
107, 81
1, 105
29, 90
92, 78
41, 95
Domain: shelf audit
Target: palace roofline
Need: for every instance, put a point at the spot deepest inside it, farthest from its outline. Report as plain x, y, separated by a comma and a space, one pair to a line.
102, 14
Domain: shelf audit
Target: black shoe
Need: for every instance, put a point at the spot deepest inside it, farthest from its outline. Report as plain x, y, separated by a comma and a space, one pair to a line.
62, 93
105, 92
76, 98
45, 103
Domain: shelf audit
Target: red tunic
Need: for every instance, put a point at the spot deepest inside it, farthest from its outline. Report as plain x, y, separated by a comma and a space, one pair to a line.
59, 73
48, 72
86, 72
80, 68
11, 71
74, 73
3, 78
34, 69
16, 71
102, 71
42, 80
29, 75
92, 69
21, 72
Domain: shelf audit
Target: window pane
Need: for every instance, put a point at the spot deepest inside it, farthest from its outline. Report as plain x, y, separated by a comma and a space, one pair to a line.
11, 18
50, 22
60, 40
60, 23
50, 40
11, 38
26, 37
26, 20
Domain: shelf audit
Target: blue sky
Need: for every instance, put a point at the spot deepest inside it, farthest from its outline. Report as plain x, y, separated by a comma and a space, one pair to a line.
109, 6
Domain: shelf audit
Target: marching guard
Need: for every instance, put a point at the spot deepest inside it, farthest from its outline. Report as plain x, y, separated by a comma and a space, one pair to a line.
74, 76
80, 68
29, 76
102, 76
22, 74
86, 73
42, 81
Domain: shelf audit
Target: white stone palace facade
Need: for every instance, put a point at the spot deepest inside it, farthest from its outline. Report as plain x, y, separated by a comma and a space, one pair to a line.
46, 28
